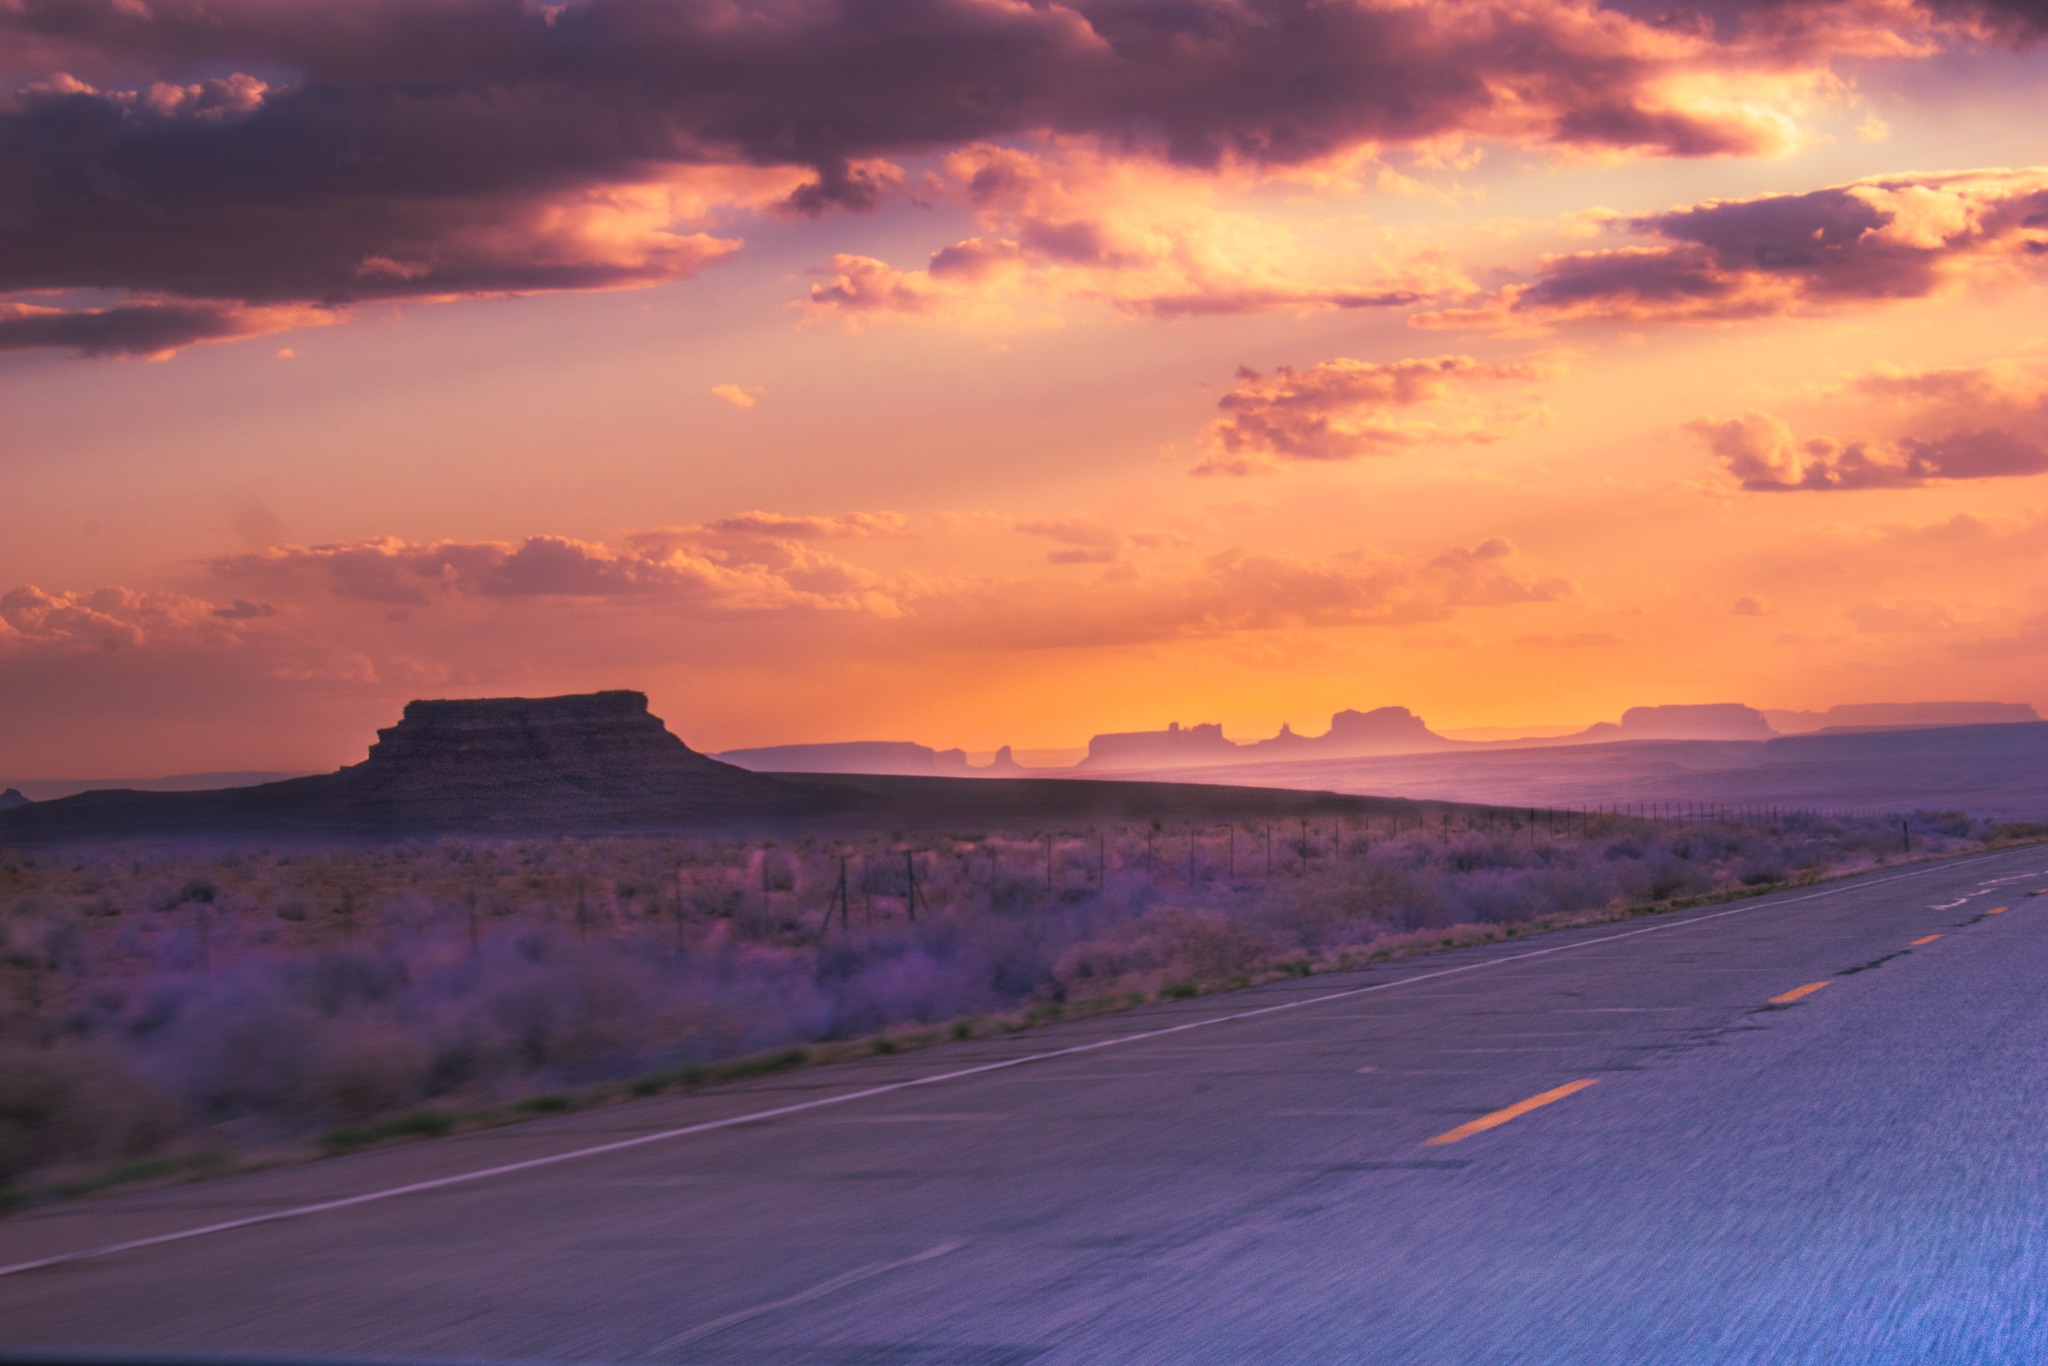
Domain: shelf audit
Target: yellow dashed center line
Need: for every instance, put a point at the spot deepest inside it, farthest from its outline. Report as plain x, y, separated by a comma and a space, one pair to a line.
1515, 1111
1572, 1088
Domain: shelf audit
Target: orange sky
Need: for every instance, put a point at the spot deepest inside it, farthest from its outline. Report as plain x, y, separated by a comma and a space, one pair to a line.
1513, 364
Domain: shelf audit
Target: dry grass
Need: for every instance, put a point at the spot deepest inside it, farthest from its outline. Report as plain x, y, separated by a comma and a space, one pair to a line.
159, 1008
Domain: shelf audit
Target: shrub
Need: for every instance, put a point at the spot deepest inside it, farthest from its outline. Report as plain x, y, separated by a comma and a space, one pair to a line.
283, 994
418, 1124
75, 1104
772, 1063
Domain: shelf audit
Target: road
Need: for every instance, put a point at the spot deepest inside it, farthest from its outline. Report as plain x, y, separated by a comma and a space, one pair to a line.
1605, 1145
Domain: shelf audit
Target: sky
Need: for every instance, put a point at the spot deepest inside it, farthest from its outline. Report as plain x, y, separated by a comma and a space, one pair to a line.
984, 372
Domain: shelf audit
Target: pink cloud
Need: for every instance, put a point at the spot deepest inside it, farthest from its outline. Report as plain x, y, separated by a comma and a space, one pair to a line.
681, 570
1072, 225
1232, 592
329, 640
691, 574
1870, 241
787, 527
1078, 540
109, 620
313, 155
1972, 422
1343, 409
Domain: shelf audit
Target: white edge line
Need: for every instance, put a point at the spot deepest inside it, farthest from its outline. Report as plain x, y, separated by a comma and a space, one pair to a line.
819, 1291
866, 1093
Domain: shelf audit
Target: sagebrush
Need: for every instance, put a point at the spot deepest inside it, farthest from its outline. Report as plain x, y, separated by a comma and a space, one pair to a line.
232, 996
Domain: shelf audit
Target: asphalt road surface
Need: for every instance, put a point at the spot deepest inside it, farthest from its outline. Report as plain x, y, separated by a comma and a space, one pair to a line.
1607, 1145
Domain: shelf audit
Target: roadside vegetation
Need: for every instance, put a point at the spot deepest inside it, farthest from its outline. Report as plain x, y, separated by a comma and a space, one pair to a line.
162, 1010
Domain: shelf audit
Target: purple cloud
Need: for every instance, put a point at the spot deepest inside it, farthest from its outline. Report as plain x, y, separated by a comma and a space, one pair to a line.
1964, 422
1889, 237
387, 149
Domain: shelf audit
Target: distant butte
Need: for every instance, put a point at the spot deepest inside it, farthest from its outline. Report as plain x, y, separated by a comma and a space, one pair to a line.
600, 757
1381, 732
592, 761
601, 763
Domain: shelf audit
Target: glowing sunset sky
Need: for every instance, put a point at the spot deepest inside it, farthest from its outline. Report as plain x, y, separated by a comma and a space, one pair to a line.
981, 372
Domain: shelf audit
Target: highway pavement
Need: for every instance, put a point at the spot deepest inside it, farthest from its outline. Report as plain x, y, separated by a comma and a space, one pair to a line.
1811, 1127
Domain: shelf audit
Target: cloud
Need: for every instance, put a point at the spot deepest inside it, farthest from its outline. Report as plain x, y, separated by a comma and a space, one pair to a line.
152, 329
694, 572
1087, 540
1870, 241
1910, 617
736, 395
676, 569
1231, 592
2008, 18
1079, 541
109, 620
257, 152
861, 286
1073, 225
1750, 607
343, 634
1958, 540
1969, 422
783, 526
1343, 409
1851, 22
